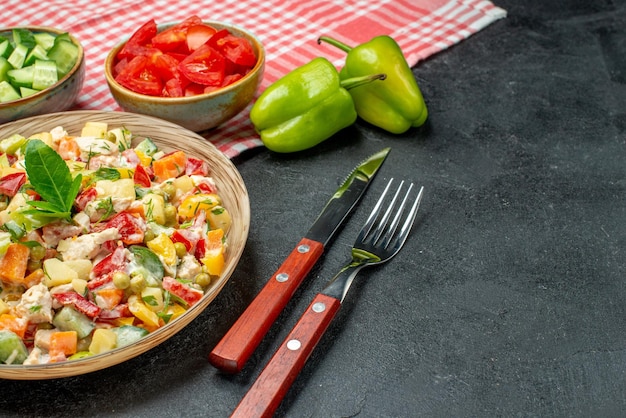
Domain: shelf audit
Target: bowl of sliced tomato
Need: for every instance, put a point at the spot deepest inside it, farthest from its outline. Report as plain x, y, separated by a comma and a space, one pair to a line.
197, 74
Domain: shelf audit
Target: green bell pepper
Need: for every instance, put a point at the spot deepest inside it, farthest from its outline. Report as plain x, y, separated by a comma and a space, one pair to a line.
305, 107
395, 105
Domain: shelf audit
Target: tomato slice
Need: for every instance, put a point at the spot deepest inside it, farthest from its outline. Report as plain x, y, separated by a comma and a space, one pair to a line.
166, 66
198, 35
138, 39
140, 77
141, 176
204, 66
194, 89
235, 49
175, 38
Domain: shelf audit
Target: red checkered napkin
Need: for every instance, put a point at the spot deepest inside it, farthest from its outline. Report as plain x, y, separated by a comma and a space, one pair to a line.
288, 30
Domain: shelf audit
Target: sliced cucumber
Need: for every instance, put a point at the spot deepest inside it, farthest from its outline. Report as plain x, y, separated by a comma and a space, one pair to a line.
23, 37
18, 56
8, 92
37, 53
65, 54
69, 319
44, 74
4, 68
44, 39
129, 334
12, 349
25, 92
5, 48
22, 77
147, 147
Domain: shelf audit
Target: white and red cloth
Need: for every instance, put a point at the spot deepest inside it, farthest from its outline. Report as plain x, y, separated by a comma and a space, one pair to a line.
288, 30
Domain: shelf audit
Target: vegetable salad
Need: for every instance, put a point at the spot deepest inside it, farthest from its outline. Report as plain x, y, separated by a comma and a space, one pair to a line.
101, 243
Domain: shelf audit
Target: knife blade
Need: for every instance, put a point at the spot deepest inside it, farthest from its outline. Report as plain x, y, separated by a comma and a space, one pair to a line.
238, 344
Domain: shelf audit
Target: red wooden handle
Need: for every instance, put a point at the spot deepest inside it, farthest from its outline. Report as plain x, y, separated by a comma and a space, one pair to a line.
236, 347
276, 378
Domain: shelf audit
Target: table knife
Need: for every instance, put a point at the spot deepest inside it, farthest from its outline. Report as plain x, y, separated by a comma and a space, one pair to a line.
238, 344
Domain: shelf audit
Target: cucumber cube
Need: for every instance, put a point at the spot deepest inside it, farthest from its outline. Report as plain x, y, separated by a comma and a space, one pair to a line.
65, 54
69, 319
22, 77
37, 53
129, 334
18, 56
46, 40
25, 92
4, 69
12, 349
5, 48
44, 75
24, 37
7, 92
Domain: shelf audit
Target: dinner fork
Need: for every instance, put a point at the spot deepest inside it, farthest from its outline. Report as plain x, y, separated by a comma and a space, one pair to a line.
378, 242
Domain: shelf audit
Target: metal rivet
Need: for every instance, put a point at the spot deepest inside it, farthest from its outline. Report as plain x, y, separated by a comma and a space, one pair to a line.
319, 307
294, 345
303, 249
282, 277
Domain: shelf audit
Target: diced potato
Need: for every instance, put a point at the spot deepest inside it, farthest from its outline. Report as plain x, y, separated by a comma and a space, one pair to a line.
58, 272
45, 137
153, 298
95, 129
219, 218
183, 183
82, 267
103, 340
79, 286
154, 207
119, 189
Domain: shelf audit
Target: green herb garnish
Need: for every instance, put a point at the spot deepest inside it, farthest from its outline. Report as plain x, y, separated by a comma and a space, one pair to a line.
51, 178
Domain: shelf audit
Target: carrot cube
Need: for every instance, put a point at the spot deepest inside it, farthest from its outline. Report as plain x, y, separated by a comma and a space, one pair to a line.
169, 166
63, 342
13, 264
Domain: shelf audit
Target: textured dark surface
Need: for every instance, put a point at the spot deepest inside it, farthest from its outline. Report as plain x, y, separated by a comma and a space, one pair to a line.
509, 298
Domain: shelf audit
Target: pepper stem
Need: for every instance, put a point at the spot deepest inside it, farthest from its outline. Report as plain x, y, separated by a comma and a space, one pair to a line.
350, 83
334, 42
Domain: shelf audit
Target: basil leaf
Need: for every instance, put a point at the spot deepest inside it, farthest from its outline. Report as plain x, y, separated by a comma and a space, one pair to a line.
51, 178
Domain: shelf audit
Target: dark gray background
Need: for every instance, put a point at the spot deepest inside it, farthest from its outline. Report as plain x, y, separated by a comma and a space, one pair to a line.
509, 297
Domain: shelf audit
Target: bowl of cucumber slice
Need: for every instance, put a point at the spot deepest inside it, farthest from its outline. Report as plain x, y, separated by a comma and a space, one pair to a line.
42, 70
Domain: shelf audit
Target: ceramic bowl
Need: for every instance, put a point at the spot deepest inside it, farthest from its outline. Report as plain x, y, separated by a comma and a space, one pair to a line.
169, 137
200, 112
56, 98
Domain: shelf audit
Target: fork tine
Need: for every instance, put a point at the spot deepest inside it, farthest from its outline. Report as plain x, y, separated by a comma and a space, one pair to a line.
391, 229
382, 223
408, 223
374, 214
